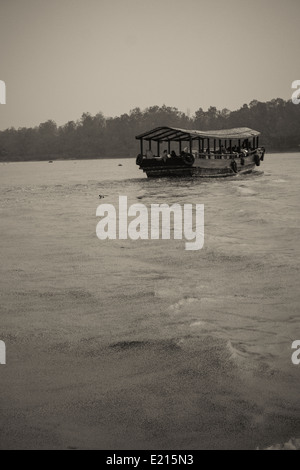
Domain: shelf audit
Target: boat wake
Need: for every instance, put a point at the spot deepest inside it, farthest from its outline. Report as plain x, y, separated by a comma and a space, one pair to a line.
292, 444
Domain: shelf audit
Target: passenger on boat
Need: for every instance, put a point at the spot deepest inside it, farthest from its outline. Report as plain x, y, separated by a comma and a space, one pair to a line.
149, 154
222, 150
173, 154
184, 152
166, 155
234, 151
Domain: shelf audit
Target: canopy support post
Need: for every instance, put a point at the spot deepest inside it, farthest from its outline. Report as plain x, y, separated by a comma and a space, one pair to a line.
142, 150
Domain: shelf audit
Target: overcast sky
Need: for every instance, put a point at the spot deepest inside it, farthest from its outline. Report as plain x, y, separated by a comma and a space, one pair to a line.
60, 58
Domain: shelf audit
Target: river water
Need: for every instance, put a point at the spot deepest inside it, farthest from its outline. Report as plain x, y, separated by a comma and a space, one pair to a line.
123, 344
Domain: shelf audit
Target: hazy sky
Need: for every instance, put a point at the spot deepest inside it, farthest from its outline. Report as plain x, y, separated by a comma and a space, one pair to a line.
60, 58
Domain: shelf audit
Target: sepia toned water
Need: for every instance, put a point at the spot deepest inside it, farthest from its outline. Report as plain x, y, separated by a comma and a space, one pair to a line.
141, 344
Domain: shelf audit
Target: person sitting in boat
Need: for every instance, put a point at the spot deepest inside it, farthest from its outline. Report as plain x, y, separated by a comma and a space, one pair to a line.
222, 150
184, 152
165, 155
235, 151
173, 154
149, 154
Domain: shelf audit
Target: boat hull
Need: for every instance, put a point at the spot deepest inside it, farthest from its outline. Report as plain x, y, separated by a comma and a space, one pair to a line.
203, 166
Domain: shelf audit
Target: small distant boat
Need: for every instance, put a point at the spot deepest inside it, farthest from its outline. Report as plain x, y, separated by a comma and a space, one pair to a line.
205, 154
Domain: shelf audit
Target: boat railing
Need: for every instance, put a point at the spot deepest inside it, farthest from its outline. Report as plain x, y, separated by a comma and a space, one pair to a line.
224, 156
208, 156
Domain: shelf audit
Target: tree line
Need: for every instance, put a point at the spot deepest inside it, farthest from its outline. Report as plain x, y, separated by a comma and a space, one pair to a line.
100, 137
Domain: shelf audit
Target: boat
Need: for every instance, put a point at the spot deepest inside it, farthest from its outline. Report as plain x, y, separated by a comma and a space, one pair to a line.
183, 152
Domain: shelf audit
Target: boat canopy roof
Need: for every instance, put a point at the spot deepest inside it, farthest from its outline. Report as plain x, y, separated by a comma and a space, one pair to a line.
174, 133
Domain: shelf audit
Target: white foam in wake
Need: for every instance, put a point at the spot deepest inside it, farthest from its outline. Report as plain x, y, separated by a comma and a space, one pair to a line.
292, 444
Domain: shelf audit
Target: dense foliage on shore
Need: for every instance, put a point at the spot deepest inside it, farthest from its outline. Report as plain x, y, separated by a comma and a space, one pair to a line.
99, 137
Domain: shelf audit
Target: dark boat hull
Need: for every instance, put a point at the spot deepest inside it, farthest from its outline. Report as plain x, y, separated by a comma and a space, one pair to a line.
203, 167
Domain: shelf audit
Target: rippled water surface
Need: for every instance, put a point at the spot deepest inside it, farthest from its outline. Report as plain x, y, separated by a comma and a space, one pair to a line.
142, 344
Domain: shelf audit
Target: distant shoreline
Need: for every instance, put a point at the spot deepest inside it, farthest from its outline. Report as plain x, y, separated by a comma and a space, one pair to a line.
52, 158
